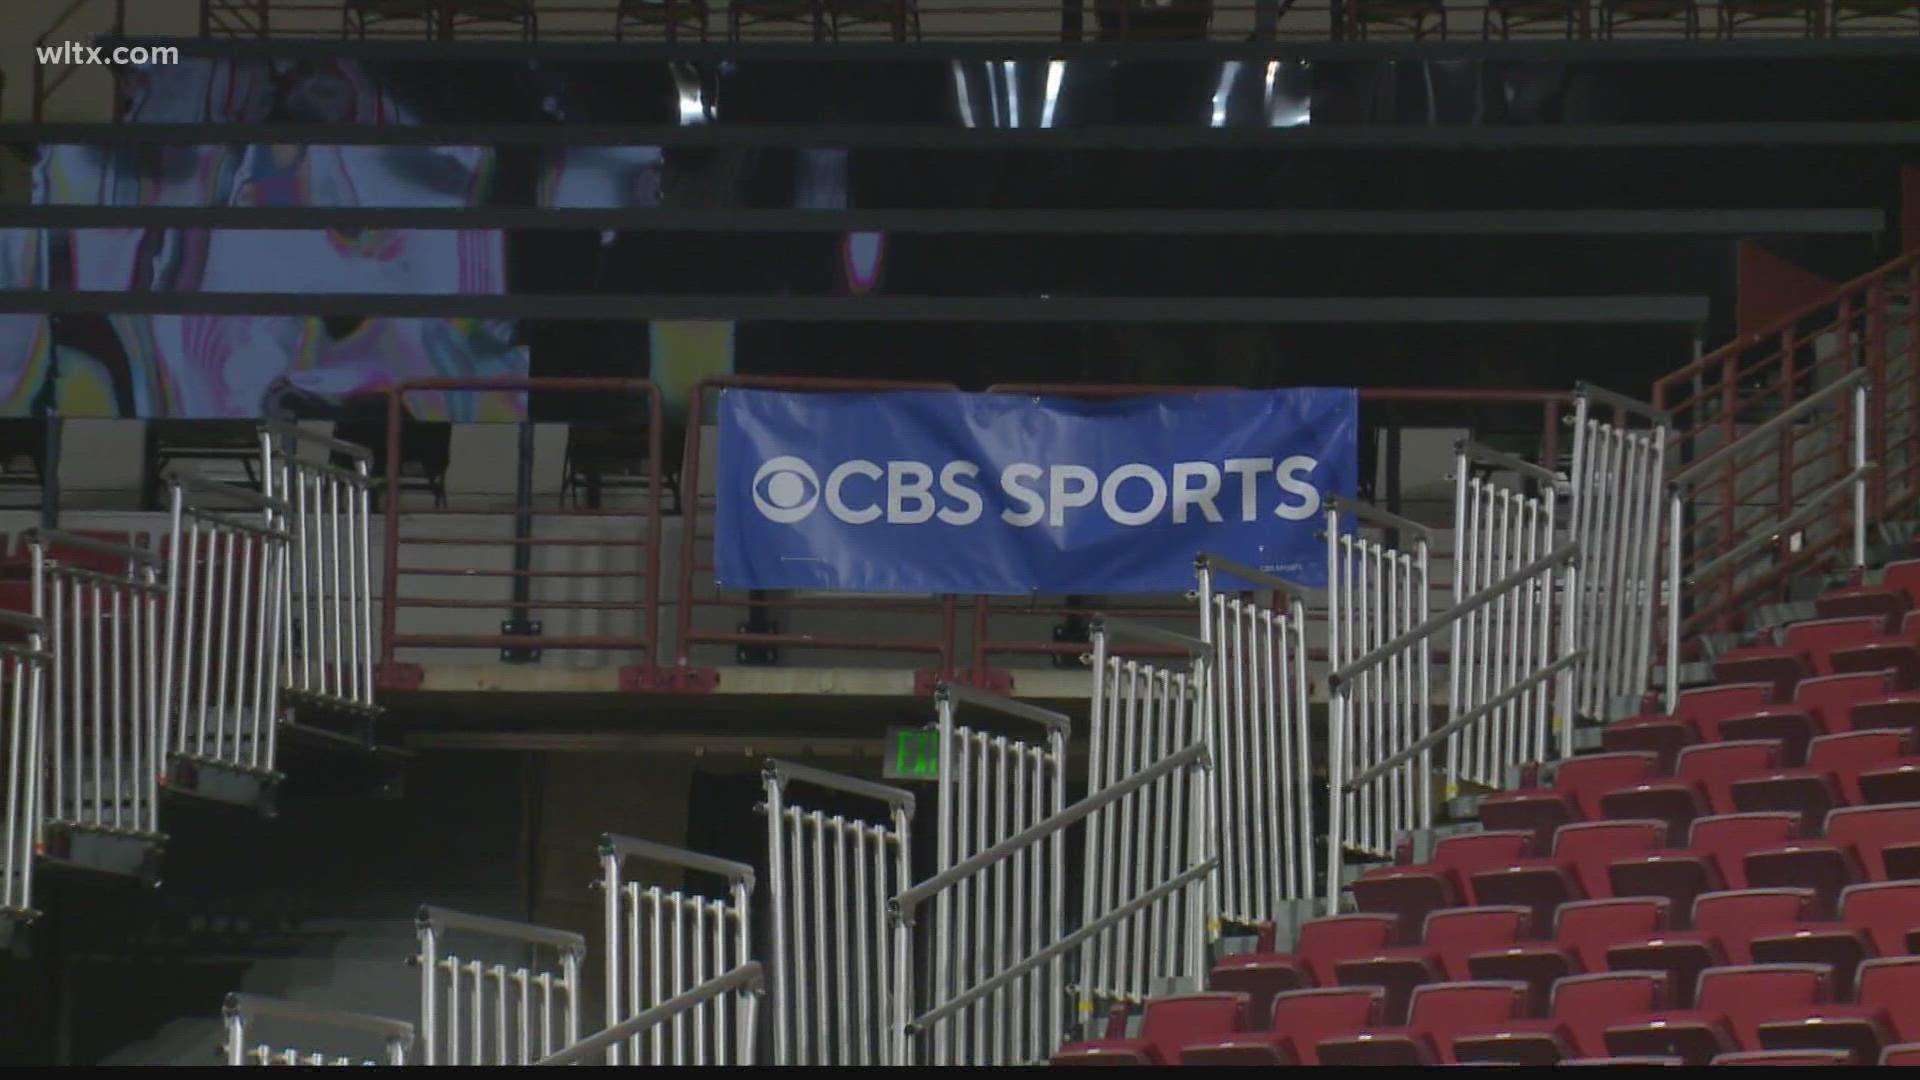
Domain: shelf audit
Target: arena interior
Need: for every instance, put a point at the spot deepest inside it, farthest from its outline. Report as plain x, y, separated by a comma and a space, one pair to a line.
960, 532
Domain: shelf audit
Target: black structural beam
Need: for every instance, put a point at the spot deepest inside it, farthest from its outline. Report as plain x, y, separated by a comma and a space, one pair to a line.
1468, 310
1168, 223
869, 136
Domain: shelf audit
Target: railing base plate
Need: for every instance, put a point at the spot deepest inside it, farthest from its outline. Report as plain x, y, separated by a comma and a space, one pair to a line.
399, 677
122, 854
647, 679
217, 781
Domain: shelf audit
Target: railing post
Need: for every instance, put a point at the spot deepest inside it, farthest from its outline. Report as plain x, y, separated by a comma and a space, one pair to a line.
683, 603
1860, 475
1876, 346
1729, 433
1676, 513
390, 503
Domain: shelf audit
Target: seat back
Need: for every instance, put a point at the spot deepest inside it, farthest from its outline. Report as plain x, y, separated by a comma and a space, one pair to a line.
1458, 933
1870, 829
1448, 1010
1886, 910
1729, 837
1893, 983
1325, 942
1715, 766
1469, 853
1818, 638
1589, 1004
1309, 1016
1847, 754
1590, 927
1591, 845
1904, 576
1747, 994
1585, 779
1831, 697
1737, 916
1709, 705
1173, 1022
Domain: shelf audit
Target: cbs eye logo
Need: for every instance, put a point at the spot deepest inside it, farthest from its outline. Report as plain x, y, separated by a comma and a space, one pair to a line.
786, 490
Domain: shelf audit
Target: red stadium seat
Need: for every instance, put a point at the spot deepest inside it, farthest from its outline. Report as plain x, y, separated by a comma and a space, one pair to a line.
1903, 1054
1323, 942
1724, 926
1732, 1004
1168, 1025
1862, 601
1898, 652
1626, 1062
1396, 973
1894, 781
1855, 848
1439, 1013
1300, 1021
1887, 911
1696, 715
1901, 710
1584, 930
1583, 1007
1831, 776
1575, 795
1702, 784
1784, 1057
1577, 870
1412, 892
1883, 1013
1821, 705
1712, 861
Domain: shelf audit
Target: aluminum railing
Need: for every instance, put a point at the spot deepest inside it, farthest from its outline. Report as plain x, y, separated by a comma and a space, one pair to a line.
23, 667
1618, 475
105, 701
1152, 925
836, 960
1804, 520
1378, 591
1256, 728
328, 608
1142, 711
221, 678
742, 981
508, 995
663, 943
1506, 721
1496, 529
244, 1012
993, 786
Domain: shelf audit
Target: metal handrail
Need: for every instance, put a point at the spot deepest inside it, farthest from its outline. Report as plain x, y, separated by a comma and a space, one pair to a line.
1221, 564
1565, 554
787, 772
1055, 722
294, 433
1467, 719
1147, 633
1816, 503
904, 904
254, 1006
1064, 945
1487, 455
628, 847
1373, 515
1770, 426
747, 977
445, 920
1622, 402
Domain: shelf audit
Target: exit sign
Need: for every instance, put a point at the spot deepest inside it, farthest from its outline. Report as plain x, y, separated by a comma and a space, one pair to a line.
912, 754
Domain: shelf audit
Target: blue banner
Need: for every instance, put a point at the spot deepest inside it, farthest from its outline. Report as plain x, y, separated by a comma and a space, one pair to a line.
937, 492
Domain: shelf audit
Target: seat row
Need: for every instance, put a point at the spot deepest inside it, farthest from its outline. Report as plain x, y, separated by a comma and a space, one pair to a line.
1742, 1014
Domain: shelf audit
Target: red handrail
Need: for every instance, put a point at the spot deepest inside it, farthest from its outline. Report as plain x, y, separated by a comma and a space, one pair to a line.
395, 675
1762, 373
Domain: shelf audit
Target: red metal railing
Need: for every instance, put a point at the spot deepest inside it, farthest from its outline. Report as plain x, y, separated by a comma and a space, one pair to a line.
522, 580
1713, 400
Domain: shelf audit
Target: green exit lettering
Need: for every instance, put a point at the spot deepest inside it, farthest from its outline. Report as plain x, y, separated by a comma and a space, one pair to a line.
916, 755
